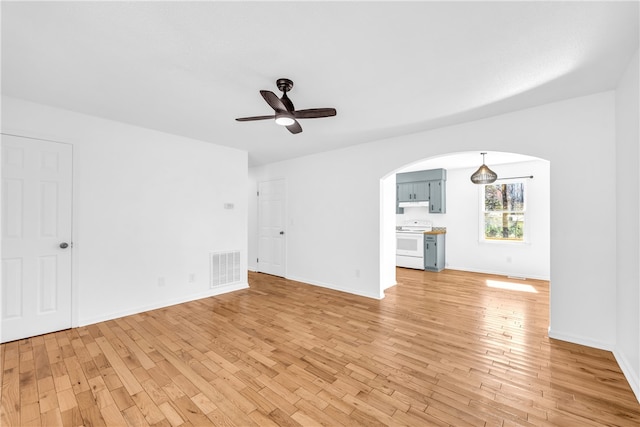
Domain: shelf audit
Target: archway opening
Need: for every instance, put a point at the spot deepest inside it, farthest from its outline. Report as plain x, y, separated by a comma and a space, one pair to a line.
463, 218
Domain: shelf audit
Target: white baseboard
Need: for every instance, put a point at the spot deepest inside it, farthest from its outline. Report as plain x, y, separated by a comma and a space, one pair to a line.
498, 273
192, 297
379, 295
576, 339
632, 376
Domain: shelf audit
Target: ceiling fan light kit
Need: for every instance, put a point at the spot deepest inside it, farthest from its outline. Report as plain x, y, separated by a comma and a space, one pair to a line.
284, 119
484, 175
285, 113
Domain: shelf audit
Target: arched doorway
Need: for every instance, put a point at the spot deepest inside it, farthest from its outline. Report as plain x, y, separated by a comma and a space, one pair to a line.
466, 249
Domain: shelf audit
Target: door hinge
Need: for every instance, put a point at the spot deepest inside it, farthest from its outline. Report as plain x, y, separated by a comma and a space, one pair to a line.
258, 193
257, 260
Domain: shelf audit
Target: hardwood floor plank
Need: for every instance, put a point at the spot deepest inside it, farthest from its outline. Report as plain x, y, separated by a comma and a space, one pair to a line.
189, 410
66, 400
440, 349
134, 417
126, 376
261, 419
72, 417
51, 418
122, 398
171, 414
112, 416
10, 402
147, 407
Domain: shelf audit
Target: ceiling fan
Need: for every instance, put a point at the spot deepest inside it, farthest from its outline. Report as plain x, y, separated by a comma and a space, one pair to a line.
285, 113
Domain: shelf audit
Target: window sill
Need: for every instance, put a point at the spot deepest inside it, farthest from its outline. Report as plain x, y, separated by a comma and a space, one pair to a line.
506, 242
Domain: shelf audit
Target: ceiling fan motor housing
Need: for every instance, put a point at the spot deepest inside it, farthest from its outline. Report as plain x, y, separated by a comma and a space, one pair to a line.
284, 85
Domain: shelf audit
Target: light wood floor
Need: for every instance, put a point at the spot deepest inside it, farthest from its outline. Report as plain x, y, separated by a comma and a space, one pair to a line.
440, 349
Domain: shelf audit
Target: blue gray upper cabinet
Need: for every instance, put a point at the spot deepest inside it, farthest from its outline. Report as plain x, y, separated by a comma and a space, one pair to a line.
422, 186
413, 191
437, 196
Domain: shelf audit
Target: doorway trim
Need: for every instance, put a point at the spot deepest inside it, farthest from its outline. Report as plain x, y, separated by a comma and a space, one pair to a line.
75, 264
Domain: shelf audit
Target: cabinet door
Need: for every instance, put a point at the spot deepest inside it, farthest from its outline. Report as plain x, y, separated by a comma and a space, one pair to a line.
421, 191
430, 254
405, 192
437, 193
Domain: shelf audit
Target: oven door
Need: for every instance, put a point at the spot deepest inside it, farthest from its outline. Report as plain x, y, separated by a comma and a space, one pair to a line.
410, 244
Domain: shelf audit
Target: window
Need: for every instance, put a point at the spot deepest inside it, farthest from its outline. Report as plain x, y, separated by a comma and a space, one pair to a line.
503, 212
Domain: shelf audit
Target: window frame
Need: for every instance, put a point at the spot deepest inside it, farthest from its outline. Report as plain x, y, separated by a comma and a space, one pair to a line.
526, 232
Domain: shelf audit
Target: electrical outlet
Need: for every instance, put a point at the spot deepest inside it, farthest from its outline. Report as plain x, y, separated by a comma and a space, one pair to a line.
192, 278
161, 282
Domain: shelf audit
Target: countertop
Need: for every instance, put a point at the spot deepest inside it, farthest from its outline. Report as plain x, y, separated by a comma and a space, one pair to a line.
437, 230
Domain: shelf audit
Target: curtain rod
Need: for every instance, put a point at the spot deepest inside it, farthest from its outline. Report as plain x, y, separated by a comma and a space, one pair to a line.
516, 177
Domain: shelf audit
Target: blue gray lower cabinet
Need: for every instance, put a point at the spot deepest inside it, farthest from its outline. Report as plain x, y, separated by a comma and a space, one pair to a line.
434, 252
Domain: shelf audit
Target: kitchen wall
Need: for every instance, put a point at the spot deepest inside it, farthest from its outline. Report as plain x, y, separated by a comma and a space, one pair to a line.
147, 205
627, 224
465, 251
342, 209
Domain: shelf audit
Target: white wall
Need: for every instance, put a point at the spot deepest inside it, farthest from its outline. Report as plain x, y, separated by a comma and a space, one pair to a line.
146, 205
628, 228
465, 251
331, 233
335, 201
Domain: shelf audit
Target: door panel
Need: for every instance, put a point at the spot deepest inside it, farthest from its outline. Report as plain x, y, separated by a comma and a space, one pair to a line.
430, 253
405, 192
421, 190
36, 218
271, 217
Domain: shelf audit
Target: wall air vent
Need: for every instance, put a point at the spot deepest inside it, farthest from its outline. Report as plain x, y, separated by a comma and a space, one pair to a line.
225, 268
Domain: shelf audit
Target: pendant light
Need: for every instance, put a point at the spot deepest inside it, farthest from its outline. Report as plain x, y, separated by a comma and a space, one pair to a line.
483, 175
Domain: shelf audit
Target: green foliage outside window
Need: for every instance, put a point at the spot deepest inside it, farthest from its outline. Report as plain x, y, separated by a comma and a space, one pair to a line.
504, 211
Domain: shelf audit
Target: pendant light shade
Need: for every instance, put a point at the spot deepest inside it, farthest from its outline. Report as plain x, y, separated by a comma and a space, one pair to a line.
484, 175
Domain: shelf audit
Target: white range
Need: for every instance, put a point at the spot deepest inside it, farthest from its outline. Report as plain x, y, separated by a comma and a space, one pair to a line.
410, 243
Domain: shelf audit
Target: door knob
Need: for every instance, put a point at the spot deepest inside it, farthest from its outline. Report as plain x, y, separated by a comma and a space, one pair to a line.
64, 245
282, 232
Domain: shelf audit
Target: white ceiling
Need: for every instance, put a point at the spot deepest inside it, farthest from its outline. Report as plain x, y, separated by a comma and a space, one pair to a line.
389, 68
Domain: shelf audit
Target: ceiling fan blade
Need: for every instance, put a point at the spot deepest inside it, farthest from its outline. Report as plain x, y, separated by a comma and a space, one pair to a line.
295, 127
273, 100
249, 119
313, 113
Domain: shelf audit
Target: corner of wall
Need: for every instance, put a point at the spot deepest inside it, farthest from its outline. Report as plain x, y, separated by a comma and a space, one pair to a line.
628, 372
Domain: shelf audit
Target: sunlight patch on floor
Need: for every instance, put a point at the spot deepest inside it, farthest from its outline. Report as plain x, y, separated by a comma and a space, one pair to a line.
511, 286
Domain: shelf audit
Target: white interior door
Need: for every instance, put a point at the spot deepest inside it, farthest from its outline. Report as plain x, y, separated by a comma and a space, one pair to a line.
271, 226
36, 226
